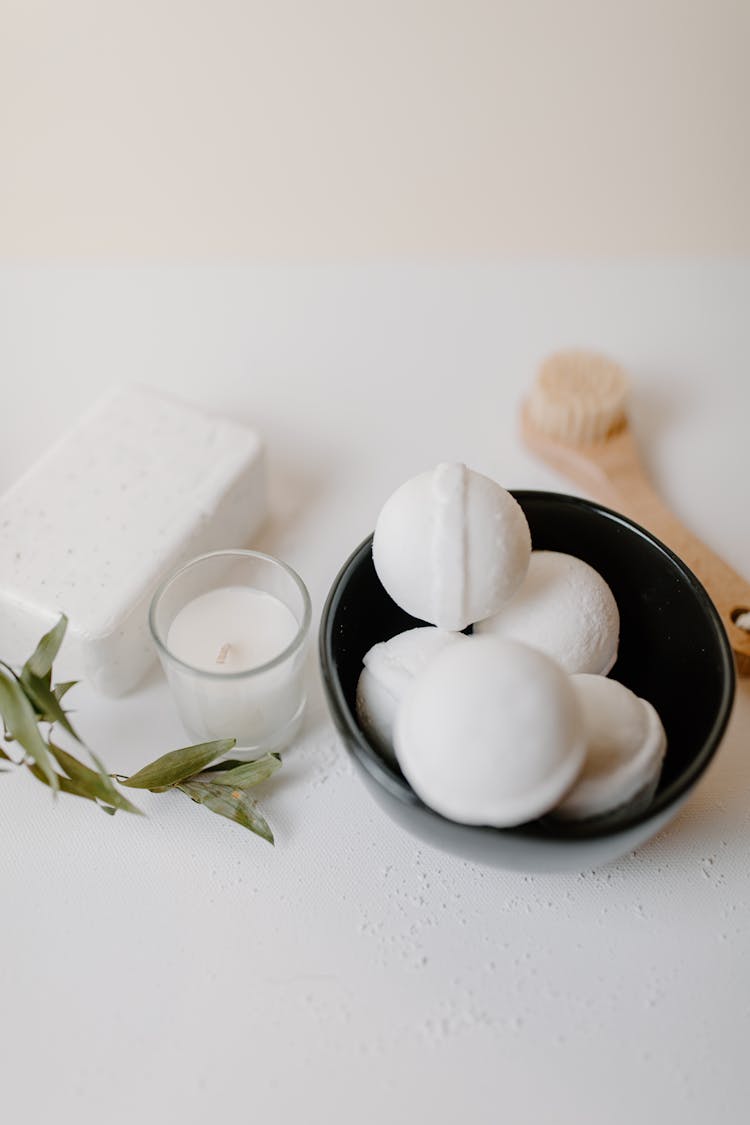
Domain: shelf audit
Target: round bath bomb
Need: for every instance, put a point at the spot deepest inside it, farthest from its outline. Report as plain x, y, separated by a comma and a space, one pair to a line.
389, 669
565, 609
490, 732
625, 744
451, 546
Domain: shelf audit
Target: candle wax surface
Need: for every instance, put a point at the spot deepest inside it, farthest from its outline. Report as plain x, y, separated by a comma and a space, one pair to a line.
255, 625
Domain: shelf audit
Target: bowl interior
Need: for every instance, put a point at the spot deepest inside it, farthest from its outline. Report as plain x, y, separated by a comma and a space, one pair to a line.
673, 648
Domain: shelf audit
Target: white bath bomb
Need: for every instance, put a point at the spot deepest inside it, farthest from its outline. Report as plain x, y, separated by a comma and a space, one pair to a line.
491, 732
389, 669
451, 546
565, 609
625, 745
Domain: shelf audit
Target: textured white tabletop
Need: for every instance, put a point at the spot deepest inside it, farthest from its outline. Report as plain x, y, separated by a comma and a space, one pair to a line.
175, 968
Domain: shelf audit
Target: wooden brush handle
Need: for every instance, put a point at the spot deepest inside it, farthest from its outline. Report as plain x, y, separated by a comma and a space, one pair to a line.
611, 471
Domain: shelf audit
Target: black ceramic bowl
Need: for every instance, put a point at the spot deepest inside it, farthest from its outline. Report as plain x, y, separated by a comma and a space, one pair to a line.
673, 652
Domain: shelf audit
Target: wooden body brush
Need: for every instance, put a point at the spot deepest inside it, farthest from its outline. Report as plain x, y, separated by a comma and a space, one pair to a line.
574, 418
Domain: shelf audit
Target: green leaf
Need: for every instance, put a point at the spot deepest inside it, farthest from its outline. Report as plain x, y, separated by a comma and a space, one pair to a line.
64, 784
40, 662
178, 764
61, 690
95, 784
77, 789
45, 701
241, 775
21, 722
228, 801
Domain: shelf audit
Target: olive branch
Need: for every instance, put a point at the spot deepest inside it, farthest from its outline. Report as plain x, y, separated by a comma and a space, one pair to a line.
31, 707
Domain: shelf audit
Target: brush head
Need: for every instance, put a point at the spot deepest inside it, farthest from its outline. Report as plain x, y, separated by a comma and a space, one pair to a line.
578, 398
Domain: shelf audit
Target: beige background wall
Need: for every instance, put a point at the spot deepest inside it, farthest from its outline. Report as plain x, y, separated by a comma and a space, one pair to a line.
196, 128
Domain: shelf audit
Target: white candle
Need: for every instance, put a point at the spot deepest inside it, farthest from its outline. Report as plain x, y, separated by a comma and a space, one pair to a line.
232, 629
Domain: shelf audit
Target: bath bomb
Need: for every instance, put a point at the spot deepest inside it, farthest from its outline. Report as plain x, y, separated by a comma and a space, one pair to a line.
625, 744
389, 669
491, 732
565, 609
451, 546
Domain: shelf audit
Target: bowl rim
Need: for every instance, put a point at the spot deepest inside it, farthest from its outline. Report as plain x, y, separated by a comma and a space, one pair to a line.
607, 826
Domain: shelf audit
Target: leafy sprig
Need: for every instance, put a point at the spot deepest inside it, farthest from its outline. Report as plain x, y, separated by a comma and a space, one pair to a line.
29, 701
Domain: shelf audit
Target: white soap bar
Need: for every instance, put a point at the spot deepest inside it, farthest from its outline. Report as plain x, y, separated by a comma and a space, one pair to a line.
139, 486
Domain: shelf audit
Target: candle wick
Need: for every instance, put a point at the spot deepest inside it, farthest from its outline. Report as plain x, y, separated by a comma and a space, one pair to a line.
223, 654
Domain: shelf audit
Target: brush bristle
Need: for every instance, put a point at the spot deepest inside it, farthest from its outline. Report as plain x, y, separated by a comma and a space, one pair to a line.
579, 397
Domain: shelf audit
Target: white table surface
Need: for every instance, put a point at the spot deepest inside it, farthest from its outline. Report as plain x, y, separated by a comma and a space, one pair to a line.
175, 968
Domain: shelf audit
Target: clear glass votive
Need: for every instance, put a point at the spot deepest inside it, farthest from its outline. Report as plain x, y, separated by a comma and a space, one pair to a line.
231, 630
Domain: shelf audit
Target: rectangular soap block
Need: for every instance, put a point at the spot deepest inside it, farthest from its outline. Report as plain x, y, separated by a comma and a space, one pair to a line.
142, 484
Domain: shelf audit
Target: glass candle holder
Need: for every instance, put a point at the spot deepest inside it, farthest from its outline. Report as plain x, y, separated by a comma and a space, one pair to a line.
231, 630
